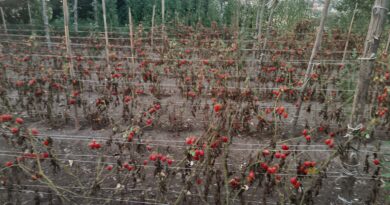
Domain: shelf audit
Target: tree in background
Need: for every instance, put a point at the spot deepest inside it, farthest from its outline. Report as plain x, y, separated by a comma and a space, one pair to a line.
345, 11
189, 12
17, 14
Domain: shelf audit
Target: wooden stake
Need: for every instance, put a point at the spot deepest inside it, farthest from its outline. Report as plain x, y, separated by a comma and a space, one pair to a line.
310, 65
46, 24
95, 12
334, 72
3, 20
387, 44
75, 16
269, 26
29, 12
237, 17
349, 33
367, 63
4, 69
152, 29
259, 20
237, 39
163, 33
258, 16
70, 70
106, 35
67, 38
259, 27
163, 12
131, 36
375, 29
163, 21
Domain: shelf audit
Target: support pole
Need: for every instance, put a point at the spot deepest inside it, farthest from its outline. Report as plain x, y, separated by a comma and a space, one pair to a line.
310, 65
70, 70
349, 33
3, 20
46, 23
75, 16
131, 36
163, 22
163, 12
350, 161
259, 20
387, 44
269, 26
95, 12
375, 29
152, 29
29, 13
259, 27
106, 35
